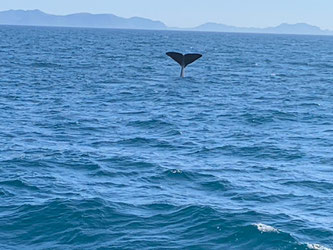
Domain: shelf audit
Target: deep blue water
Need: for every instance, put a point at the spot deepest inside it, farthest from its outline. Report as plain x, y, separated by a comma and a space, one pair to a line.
103, 146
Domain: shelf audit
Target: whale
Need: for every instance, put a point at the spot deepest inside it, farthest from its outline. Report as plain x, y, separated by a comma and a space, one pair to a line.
183, 60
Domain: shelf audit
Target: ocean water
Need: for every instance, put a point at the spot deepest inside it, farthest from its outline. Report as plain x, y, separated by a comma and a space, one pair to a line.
103, 146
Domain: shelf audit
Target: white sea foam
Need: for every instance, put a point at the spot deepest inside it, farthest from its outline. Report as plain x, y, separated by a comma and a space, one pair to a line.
265, 228
176, 171
317, 247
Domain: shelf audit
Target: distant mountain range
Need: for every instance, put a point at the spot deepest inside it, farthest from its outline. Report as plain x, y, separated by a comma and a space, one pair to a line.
299, 28
39, 18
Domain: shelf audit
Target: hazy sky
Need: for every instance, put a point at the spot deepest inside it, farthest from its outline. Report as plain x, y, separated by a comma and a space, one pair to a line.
188, 13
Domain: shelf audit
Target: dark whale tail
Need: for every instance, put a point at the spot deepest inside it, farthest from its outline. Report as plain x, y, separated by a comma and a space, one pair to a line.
183, 60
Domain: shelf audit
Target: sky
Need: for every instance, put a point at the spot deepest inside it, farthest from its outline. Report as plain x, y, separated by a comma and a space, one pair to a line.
190, 13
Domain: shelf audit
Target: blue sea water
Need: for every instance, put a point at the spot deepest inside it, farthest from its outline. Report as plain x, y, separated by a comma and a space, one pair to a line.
103, 146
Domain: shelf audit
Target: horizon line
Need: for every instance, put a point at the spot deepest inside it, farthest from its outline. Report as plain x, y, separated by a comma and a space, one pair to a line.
169, 27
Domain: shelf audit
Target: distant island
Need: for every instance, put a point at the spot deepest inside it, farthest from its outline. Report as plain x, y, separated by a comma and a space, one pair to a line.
87, 20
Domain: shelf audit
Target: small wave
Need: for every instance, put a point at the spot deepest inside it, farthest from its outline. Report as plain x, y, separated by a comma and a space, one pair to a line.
215, 185
177, 174
45, 65
322, 65
256, 151
265, 228
319, 185
18, 184
145, 142
317, 247
150, 124
5, 193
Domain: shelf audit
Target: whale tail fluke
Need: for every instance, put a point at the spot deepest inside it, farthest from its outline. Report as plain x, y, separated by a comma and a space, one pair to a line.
179, 58
183, 60
190, 58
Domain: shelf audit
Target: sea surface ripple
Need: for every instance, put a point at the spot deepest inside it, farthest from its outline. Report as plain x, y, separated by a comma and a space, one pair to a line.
103, 146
